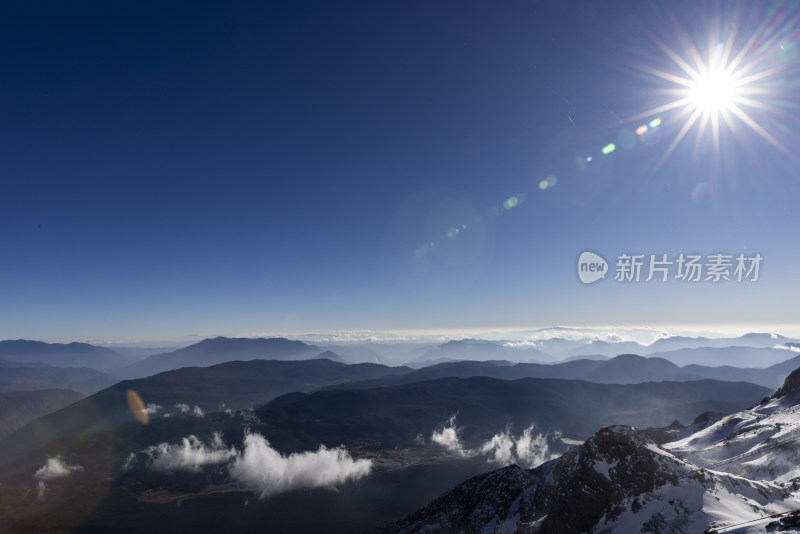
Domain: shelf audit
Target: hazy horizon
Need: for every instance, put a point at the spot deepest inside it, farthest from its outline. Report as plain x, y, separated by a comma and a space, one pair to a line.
639, 334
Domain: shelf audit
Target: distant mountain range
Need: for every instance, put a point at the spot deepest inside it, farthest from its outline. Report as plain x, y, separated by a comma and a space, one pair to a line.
622, 369
16, 376
62, 354
222, 349
748, 351
479, 350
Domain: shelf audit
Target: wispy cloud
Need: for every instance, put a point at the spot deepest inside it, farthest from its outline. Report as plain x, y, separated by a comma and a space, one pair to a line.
527, 450
265, 468
191, 454
54, 468
447, 437
191, 410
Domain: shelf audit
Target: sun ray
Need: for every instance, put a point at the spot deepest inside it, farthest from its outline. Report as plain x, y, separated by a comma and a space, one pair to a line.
678, 138
736, 110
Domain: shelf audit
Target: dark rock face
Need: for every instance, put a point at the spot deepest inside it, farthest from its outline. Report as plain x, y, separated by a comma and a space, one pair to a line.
506, 496
614, 464
568, 495
791, 384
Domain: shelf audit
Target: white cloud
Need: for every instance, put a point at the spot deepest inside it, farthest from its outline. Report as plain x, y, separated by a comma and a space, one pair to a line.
271, 472
259, 465
54, 468
192, 410
189, 455
420, 439
129, 461
527, 450
499, 448
152, 408
447, 437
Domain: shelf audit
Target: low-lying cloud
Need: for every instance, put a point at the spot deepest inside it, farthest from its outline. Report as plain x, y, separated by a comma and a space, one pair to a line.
447, 437
271, 472
195, 410
189, 455
528, 450
54, 468
258, 465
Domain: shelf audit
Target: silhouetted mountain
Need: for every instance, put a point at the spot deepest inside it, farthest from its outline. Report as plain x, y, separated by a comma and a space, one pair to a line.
222, 349
623, 369
479, 350
330, 355
140, 353
235, 385
395, 415
731, 356
605, 348
384, 353
61, 354
771, 376
754, 340
17, 408
587, 357
16, 376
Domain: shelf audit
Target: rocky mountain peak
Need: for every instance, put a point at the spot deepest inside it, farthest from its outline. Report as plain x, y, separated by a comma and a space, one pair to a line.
792, 383
617, 462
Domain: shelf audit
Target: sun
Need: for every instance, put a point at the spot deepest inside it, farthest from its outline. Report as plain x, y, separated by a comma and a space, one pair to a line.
718, 81
713, 92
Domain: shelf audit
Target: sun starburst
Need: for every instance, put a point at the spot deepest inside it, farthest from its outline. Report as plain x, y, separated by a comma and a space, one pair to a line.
729, 83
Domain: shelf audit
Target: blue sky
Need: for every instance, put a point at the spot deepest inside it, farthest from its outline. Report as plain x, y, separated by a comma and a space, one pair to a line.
285, 166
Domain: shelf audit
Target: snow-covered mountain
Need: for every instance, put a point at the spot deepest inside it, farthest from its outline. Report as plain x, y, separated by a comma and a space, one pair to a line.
736, 474
761, 443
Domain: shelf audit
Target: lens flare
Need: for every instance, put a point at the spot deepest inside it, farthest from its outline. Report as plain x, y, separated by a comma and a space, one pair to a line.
137, 407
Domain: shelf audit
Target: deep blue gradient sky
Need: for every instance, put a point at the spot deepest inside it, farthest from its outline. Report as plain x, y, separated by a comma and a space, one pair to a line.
239, 168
